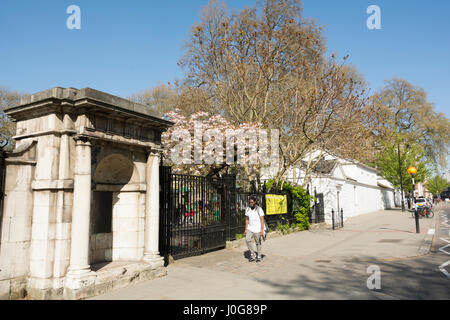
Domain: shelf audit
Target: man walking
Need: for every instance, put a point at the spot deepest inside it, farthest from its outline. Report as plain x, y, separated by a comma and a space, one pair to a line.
254, 228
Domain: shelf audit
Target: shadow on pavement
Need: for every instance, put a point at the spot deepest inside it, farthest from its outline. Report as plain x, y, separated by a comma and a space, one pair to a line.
417, 278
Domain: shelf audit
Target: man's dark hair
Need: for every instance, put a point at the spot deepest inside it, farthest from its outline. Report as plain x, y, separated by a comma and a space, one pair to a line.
253, 198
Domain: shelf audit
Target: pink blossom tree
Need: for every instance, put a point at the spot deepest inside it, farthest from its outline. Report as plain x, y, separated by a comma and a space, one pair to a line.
210, 144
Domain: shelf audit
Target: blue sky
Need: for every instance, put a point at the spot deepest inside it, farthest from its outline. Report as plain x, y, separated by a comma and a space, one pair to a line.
127, 46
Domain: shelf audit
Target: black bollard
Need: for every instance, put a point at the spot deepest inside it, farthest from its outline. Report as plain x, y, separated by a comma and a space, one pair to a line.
332, 217
416, 216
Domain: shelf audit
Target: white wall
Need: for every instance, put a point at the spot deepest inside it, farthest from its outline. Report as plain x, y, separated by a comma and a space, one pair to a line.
128, 227
359, 191
361, 174
354, 199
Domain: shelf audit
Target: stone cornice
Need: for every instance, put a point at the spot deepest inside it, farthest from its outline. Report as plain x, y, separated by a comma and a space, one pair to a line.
45, 133
115, 138
140, 187
156, 151
82, 101
20, 161
52, 184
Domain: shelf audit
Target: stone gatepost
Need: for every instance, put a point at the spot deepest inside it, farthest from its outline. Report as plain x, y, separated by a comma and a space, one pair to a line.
81, 211
151, 253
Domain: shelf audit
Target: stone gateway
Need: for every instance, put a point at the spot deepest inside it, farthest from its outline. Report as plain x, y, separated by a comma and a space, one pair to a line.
81, 206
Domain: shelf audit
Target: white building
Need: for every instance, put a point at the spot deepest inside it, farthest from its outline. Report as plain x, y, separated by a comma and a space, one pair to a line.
348, 185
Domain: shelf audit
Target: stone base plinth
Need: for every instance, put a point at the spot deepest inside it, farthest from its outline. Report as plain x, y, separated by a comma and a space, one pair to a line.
118, 276
107, 277
115, 275
155, 261
12, 289
45, 289
79, 285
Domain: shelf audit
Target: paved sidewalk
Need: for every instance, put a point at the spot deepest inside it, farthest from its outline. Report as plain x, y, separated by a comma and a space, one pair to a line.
319, 264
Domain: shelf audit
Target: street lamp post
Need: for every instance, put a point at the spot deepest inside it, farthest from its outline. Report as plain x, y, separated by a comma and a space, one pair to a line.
401, 177
412, 171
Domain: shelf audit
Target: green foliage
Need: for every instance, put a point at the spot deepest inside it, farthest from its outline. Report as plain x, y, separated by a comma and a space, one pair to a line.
301, 225
437, 185
413, 155
301, 202
283, 228
302, 221
239, 236
405, 115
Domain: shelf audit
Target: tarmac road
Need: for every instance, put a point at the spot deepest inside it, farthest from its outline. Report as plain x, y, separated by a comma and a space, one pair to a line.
426, 277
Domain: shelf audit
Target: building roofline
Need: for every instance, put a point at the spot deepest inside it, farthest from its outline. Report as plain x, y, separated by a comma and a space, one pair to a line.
78, 97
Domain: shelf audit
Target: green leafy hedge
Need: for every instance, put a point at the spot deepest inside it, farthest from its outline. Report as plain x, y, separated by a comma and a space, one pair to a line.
301, 202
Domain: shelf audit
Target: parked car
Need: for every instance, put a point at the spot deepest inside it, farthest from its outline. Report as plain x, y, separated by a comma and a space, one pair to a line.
445, 196
421, 202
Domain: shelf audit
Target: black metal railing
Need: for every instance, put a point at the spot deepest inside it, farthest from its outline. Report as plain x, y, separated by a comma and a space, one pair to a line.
165, 204
3, 143
337, 219
199, 214
317, 211
196, 213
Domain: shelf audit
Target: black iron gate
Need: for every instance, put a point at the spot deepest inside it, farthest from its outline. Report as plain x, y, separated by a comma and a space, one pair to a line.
165, 208
2, 183
199, 214
195, 213
337, 218
317, 211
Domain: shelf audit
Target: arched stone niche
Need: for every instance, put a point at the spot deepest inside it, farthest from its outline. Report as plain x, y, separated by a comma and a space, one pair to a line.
117, 214
116, 169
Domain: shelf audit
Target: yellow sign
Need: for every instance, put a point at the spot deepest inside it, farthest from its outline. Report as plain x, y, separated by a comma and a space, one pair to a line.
276, 204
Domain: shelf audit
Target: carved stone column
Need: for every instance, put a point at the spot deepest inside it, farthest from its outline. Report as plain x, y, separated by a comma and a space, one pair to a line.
151, 249
79, 270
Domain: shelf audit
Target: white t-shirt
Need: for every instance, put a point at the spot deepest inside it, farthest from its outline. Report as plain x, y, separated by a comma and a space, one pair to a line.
254, 220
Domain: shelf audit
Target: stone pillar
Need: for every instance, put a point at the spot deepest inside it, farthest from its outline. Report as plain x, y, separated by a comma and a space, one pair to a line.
64, 158
43, 222
79, 273
63, 212
151, 245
